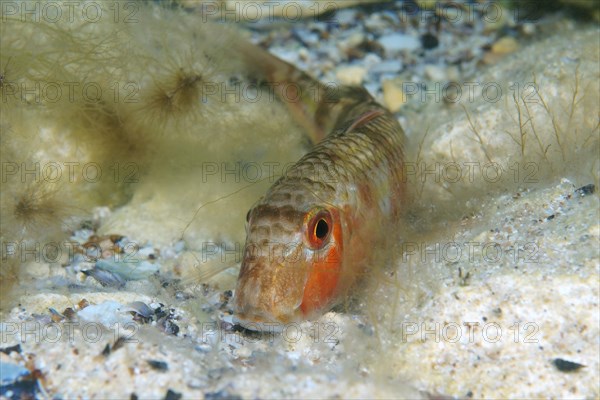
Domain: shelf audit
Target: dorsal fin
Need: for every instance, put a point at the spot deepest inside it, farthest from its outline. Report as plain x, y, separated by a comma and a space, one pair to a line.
364, 119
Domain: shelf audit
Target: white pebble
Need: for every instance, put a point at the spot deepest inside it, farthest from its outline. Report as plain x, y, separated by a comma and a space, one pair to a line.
345, 16
388, 66
107, 313
435, 73
353, 75
352, 41
395, 42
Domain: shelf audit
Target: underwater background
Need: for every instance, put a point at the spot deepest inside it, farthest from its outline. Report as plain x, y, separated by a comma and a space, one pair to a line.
135, 138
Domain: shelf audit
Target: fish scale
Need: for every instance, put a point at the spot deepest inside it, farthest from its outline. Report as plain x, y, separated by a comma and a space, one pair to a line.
318, 229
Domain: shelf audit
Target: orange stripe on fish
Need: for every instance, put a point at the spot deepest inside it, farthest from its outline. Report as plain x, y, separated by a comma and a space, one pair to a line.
322, 229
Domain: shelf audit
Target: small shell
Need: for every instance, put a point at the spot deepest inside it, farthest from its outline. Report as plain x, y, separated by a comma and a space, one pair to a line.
55, 315
141, 308
106, 278
158, 365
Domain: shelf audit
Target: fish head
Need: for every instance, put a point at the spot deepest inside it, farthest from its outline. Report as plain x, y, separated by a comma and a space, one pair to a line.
292, 261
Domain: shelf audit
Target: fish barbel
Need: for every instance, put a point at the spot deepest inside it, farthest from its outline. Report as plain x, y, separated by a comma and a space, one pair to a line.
315, 232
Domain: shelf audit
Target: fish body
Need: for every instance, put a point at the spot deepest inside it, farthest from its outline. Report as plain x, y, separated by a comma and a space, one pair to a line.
315, 232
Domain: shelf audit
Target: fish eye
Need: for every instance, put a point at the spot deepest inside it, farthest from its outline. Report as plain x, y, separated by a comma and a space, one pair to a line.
321, 229
318, 229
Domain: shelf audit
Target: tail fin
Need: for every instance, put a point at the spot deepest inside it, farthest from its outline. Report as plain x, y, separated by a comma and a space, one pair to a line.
300, 92
319, 108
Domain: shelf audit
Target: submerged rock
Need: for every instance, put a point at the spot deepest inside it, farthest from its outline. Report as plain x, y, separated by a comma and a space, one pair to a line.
107, 313
396, 42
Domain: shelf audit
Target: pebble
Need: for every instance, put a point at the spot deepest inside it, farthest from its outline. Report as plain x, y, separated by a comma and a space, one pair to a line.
429, 41
387, 66
453, 73
82, 235
146, 251
106, 278
491, 58
371, 60
244, 352
351, 41
372, 88
375, 23
129, 270
396, 42
196, 383
11, 372
352, 75
100, 214
346, 16
304, 54
500, 48
505, 45
141, 308
331, 53
286, 54
107, 313
203, 348
435, 73
306, 37
172, 395
528, 28
393, 96
391, 16
566, 366
158, 365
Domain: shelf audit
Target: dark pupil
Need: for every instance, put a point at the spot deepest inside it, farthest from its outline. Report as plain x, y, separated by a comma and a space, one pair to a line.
321, 229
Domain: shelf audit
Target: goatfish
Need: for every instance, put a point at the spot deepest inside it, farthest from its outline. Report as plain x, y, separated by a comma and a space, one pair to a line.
315, 233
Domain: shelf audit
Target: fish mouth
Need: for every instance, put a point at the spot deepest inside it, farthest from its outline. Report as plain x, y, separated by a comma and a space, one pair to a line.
267, 323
